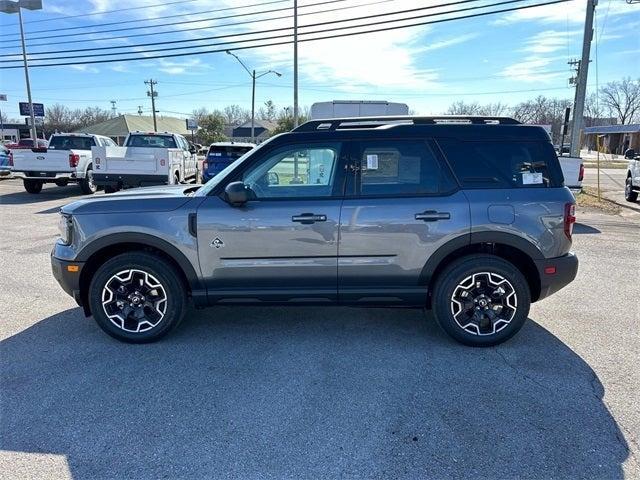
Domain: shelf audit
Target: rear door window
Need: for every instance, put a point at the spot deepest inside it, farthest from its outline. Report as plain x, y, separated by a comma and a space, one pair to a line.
503, 164
400, 167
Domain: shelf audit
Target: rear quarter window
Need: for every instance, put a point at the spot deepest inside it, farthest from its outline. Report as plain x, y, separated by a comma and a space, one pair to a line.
503, 164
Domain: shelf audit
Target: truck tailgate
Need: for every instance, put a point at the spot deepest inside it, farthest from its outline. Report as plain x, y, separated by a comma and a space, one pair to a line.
571, 168
131, 160
50, 161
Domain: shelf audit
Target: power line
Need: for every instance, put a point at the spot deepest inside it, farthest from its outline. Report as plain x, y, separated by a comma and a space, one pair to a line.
287, 42
232, 24
169, 24
273, 37
110, 11
164, 17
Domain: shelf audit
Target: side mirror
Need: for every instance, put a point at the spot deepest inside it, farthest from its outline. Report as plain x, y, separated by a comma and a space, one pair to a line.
193, 150
237, 193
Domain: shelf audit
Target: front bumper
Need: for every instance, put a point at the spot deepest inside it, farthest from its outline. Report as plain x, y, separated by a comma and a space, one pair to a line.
564, 268
46, 176
68, 278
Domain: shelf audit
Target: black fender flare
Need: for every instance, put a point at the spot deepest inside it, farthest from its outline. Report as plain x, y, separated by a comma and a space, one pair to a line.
467, 240
144, 239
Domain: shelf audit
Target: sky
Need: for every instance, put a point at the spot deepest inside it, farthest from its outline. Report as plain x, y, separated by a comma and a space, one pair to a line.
507, 57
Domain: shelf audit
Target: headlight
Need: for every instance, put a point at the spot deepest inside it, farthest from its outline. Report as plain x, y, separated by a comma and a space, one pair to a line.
65, 226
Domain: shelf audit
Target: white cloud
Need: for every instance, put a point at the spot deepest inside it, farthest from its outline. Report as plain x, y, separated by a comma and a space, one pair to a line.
533, 69
84, 68
570, 12
550, 41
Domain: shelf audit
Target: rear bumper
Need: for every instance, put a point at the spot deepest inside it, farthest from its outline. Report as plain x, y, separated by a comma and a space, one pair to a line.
566, 269
47, 176
129, 180
68, 280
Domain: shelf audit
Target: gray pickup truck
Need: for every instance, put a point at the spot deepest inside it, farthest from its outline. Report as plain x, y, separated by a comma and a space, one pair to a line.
468, 216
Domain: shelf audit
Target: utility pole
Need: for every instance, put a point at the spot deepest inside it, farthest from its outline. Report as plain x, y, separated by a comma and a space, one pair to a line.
114, 110
581, 81
153, 94
295, 63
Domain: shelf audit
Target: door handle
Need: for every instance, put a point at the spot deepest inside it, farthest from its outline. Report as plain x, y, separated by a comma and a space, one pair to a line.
432, 216
308, 218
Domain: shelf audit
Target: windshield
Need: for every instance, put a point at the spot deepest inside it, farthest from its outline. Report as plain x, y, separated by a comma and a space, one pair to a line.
71, 142
211, 184
153, 141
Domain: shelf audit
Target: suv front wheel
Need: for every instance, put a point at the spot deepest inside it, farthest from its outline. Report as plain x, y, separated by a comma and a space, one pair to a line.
137, 297
481, 300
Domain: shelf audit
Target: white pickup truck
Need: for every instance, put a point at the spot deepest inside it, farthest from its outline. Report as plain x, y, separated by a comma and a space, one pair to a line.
66, 159
632, 182
573, 171
147, 158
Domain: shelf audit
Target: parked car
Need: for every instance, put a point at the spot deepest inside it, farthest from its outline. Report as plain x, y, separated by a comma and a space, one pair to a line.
467, 216
632, 182
67, 159
147, 158
6, 161
221, 155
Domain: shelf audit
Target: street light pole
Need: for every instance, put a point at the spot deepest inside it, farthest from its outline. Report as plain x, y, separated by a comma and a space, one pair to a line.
253, 106
34, 133
254, 77
295, 63
9, 6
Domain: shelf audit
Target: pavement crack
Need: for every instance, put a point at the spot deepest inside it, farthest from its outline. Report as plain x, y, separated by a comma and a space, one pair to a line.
518, 370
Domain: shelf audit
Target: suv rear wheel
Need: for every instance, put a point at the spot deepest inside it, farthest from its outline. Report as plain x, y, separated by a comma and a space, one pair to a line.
481, 300
33, 186
629, 194
137, 297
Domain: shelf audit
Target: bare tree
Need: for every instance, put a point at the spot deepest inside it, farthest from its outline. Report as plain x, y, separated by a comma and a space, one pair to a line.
623, 99
460, 107
235, 115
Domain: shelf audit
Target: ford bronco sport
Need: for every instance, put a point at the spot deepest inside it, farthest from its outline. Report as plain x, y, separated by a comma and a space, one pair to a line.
467, 216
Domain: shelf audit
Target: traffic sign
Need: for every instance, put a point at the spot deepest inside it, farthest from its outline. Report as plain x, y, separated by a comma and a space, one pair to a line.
38, 109
192, 124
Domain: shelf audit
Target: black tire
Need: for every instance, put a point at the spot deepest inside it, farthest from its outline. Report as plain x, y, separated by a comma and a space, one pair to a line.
629, 194
176, 178
110, 189
488, 316
87, 185
33, 186
62, 183
158, 321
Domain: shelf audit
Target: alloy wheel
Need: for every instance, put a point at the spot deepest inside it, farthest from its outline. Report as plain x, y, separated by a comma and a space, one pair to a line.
484, 303
134, 301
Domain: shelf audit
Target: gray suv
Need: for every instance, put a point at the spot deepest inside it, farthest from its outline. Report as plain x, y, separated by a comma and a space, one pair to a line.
467, 216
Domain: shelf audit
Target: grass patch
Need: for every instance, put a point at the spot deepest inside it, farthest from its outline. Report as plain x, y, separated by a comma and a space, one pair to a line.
588, 198
616, 165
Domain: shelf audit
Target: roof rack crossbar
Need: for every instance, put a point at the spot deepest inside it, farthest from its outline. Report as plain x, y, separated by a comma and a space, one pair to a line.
377, 122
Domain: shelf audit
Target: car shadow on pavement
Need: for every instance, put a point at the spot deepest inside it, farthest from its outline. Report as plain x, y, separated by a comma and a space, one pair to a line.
252, 392
48, 193
583, 229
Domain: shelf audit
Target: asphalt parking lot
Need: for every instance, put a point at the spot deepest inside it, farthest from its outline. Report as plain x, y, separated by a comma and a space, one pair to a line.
248, 392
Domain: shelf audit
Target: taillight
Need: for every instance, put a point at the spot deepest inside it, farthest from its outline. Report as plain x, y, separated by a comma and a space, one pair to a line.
10, 159
74, 159
569, 219
581, 174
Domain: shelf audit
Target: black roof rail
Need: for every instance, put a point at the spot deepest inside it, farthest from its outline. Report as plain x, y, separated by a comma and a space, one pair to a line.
382, 121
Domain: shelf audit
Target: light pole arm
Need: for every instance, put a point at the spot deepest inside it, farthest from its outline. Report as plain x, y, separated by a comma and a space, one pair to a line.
241, 63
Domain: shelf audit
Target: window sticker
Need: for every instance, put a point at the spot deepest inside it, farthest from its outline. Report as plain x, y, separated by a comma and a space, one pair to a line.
532, 178
372, 162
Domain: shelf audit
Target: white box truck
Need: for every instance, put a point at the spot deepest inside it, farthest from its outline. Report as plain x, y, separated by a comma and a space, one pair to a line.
357, 108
